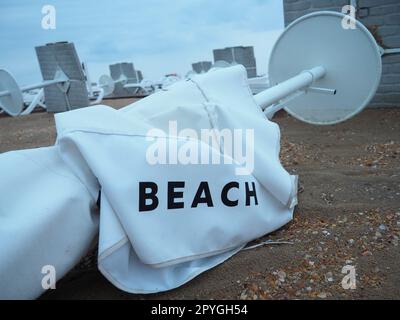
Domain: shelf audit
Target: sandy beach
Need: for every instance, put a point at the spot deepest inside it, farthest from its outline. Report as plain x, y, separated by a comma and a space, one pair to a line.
348, 214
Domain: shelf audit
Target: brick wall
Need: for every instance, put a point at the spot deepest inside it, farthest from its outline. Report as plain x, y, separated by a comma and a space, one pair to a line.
382, 18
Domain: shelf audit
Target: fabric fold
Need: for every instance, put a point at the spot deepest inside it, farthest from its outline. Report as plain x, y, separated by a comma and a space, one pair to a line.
165, 217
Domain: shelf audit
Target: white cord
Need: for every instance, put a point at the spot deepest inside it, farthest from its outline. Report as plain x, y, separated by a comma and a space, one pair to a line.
268, 242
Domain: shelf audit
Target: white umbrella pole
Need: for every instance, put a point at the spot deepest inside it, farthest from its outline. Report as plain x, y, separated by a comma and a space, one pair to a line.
303, 80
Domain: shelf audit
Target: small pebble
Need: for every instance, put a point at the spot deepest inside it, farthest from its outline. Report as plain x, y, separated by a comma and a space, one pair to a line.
322, 295
329, 277
382, 227
281, 276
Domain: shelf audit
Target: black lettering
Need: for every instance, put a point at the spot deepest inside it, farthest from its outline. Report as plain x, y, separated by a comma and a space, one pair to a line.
203, 187
143, 196
224, 194
251, 193
172, 194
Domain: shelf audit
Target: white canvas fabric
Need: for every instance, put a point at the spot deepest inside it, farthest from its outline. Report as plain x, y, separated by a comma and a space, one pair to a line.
143, 248
47, 218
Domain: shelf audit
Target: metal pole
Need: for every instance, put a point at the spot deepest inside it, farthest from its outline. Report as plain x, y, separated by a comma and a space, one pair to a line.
36, 86
42, 84
391, 51
59, 77
301, 81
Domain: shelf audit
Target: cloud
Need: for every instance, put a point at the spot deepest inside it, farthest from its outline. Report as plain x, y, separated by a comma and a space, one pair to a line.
158, 36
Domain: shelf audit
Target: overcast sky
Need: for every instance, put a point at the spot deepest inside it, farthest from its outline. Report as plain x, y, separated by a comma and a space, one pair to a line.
159, 37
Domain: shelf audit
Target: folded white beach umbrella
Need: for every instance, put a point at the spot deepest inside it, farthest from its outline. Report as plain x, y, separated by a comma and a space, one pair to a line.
205, 211
186, 176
